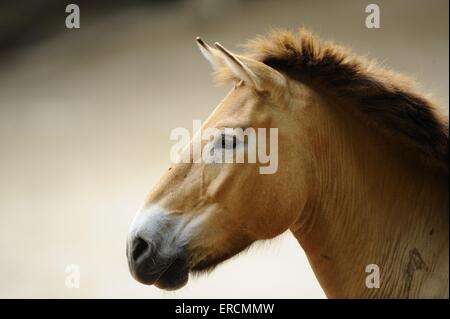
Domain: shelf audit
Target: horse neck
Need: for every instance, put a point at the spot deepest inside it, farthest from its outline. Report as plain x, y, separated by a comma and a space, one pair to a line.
373, 203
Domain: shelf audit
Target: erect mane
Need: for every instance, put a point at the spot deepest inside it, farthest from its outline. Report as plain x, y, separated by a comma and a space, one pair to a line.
384, 97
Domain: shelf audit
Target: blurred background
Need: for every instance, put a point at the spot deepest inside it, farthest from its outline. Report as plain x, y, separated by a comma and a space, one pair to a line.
85, 118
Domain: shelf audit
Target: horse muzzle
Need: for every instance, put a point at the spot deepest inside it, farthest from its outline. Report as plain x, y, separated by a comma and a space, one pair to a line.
154, 254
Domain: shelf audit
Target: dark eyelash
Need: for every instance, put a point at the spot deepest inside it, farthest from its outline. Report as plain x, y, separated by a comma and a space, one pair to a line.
223, 140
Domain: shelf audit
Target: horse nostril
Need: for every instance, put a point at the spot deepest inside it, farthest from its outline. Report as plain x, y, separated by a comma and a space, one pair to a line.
139, 247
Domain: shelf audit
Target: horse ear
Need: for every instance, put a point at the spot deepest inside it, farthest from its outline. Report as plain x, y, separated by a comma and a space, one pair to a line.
211, 54
255, 73
239, 69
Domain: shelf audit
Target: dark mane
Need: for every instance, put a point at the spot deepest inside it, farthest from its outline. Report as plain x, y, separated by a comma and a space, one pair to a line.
385, 98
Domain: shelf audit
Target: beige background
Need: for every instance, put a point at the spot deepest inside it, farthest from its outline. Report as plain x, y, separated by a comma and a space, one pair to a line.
85, 118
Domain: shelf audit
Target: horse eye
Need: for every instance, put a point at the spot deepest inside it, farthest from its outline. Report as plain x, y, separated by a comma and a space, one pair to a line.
224, 138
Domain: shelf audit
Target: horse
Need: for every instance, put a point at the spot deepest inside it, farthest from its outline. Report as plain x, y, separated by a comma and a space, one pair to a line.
362, 179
